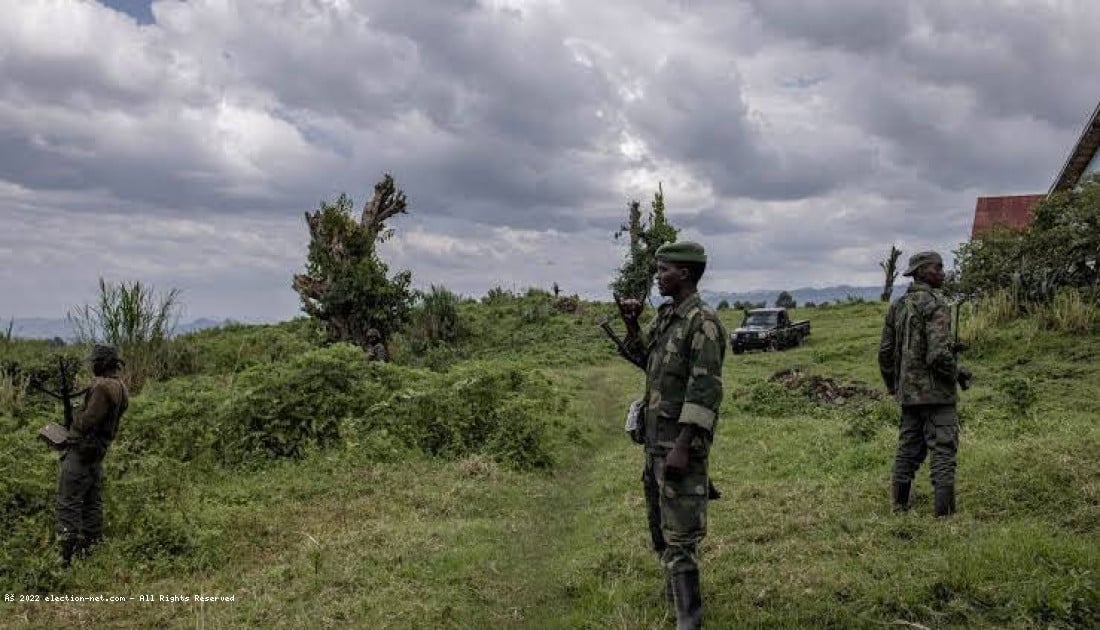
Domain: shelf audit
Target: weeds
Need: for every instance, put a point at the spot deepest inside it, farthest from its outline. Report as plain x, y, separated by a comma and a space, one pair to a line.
134, 319
1069, 312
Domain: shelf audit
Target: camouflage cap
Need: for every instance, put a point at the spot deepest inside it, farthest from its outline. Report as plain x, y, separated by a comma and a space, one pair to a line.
373, 333
918, 260
103, 353
682, 252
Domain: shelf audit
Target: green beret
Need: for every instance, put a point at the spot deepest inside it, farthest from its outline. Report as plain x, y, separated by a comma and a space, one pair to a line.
682, 252
916, 261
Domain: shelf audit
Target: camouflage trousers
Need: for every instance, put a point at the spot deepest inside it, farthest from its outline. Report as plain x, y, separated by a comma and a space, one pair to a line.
79, 498
676, 507
924, 429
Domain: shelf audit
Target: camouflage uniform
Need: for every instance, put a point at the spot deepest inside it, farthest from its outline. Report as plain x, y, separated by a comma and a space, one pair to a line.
683, 351
376, 350
80, 484
918, 366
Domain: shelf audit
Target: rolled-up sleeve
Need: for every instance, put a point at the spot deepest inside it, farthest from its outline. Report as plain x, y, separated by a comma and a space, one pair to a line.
704, 387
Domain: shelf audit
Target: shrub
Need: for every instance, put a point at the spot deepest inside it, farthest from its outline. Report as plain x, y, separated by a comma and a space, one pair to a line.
1069, 312
1020, 395
281, 409
480, 409
134, 319
867, 420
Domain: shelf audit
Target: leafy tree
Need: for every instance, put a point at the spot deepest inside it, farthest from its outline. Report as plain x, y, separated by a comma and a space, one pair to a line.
635, 278
784, 300
1059, 250
345, 284
890, 268
724, 305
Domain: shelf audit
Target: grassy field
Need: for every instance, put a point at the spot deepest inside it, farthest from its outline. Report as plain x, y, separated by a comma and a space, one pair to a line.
803, 537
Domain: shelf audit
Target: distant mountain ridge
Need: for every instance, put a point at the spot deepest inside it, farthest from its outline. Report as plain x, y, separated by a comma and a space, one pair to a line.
48, 328
805, 294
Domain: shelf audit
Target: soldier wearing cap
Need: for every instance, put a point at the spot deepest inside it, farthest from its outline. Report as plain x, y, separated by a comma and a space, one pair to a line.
683, 351
80, 486
917, 359
376, 350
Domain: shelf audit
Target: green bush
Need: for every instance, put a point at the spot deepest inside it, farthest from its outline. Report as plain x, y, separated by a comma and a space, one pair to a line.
279, 410
773, 400
501, 412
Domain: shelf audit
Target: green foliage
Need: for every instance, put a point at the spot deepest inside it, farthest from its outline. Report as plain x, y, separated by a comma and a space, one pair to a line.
868, 420
136, 320
435, 321
501, 412
785, 300
635, 277
724, 305
1058, 251
345, 285
281, 410
237, 347
1020, 395
1069, 312
773, 400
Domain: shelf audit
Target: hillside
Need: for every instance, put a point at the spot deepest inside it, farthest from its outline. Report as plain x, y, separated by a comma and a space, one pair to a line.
498, 489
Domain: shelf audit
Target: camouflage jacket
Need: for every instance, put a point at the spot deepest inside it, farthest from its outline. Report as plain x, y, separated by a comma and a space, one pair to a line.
682, 350
96, 424
915, 355
377, 352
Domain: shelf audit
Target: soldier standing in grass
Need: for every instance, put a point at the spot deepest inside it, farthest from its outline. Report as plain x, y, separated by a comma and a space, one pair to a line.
376, 350
80, 487
917, 359
683, 351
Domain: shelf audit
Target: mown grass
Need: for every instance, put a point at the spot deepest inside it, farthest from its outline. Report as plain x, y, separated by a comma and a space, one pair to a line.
802, 539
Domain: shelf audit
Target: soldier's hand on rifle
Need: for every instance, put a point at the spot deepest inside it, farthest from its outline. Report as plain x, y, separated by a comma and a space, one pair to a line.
629, 309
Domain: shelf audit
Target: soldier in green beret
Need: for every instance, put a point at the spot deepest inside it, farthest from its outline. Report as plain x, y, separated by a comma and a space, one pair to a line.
917, 359
683, 351
80, 486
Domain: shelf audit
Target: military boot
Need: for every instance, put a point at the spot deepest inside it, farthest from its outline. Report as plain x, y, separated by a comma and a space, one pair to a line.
84, 546
945, 501
688, 600
899, 497
68, 546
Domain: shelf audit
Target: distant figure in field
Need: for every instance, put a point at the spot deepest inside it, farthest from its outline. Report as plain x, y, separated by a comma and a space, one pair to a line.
683, 351
917, 359
80, 484
377, 350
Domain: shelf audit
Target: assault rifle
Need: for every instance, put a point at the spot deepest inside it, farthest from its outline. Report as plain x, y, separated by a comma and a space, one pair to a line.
605, 324
54, 434
963, 376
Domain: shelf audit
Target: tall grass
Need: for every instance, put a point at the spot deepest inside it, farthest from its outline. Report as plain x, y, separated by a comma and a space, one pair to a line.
991, 311
1070, 312
13, 391
134, 318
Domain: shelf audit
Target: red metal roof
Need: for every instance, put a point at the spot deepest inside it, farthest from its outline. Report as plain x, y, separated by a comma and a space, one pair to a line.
1013, 212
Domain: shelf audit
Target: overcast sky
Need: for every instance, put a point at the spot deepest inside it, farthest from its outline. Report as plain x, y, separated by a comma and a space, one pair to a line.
180, 143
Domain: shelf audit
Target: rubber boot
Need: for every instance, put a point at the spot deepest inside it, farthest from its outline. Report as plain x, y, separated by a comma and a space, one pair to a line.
68, 549
945, 501
899, 496
84, 546
688, 600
